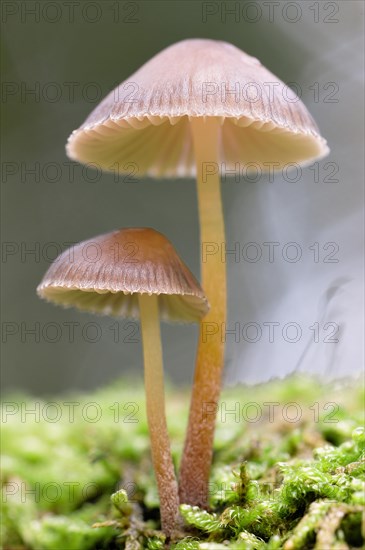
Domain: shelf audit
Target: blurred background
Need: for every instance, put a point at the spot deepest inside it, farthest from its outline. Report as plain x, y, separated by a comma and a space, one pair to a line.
298, 308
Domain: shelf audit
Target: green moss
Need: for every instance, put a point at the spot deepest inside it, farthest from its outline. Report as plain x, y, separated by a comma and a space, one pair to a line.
288, 470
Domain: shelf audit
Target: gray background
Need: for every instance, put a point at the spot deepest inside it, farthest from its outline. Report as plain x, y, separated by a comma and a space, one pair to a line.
53, 52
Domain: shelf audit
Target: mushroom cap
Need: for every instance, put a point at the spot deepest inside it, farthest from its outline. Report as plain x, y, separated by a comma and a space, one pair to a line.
105, 275
143, 125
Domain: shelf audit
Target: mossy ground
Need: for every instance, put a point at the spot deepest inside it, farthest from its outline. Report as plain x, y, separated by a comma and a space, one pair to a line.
288, 470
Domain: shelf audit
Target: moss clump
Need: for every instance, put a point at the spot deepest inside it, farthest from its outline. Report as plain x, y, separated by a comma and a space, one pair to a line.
288, 471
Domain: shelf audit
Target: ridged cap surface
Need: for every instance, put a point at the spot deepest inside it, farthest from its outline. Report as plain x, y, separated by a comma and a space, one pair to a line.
145, 120
106, 274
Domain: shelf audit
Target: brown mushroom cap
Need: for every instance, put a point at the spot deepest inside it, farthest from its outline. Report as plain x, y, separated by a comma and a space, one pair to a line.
106, 274
145, 120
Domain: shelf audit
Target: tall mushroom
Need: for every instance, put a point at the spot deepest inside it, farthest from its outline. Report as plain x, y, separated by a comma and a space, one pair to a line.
134, 273
191, 108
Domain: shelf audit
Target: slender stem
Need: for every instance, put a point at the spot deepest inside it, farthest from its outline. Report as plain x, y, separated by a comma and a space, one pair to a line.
197, 456
155, 400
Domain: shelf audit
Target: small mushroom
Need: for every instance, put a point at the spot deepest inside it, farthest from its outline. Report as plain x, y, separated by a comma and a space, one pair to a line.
191, 108
134, 273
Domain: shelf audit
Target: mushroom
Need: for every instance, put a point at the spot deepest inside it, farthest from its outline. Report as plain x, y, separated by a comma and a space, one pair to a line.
194, 108
134, 273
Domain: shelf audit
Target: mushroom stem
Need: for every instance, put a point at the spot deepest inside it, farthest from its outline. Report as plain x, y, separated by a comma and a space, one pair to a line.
155, 402
197, 456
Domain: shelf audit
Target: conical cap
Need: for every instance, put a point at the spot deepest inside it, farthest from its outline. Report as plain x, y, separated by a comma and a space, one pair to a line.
106, 274
142, 127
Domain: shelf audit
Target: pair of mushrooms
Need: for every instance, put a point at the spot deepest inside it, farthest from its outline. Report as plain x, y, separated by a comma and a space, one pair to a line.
195, 105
